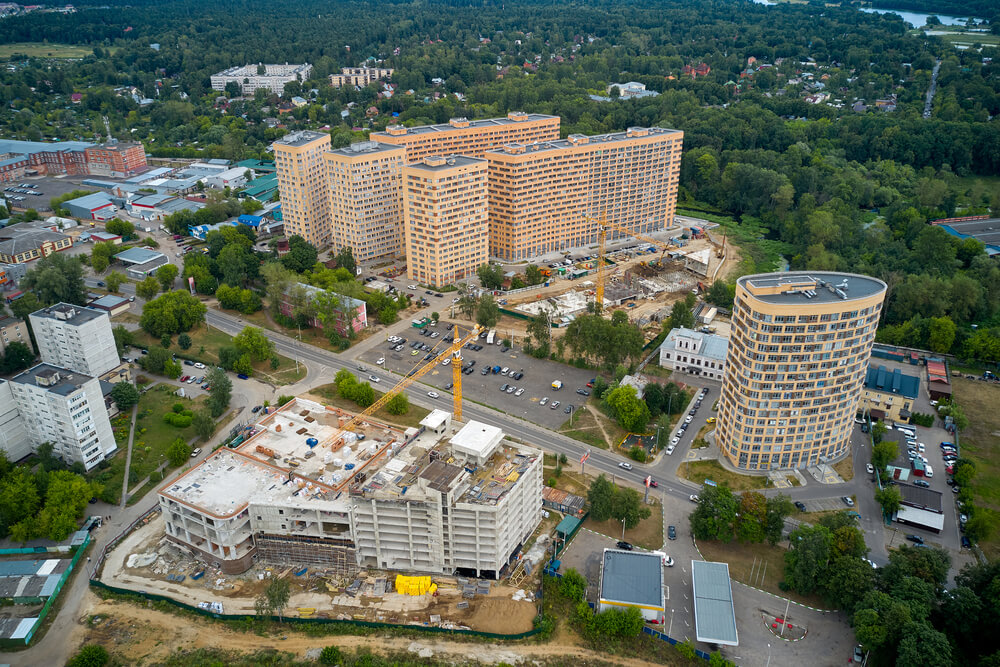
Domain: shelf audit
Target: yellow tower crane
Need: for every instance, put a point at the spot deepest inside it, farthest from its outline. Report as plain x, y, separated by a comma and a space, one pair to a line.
336, 440
602, 237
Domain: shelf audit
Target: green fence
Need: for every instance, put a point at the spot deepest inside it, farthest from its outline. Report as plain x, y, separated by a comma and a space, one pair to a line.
374, 625
12, 643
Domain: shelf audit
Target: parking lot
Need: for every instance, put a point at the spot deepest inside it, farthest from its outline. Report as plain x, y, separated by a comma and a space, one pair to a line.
49, 187
536, 382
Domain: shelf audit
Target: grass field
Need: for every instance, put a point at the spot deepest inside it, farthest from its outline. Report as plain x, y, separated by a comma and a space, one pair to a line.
42, 50
981, 443
648, 534
970, 38
328, 394
205, 344
699, 471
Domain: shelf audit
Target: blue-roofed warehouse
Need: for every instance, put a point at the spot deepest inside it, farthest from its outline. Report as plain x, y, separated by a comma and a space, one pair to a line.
632, 579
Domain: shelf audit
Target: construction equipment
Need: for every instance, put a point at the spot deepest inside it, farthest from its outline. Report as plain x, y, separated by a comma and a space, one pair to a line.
412, 377
456, 375
602, 236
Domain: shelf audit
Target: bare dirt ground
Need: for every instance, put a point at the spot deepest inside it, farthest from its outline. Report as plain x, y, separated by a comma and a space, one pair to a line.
137, 634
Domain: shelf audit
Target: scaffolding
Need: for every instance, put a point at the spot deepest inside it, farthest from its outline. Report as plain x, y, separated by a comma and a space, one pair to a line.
332, 553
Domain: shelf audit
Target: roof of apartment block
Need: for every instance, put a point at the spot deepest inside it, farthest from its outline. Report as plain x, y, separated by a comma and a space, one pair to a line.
69, 313
385, 463
61, 381
443, 163
360, 149
300, 138
712, 346
582, 140
811, 287
465, 125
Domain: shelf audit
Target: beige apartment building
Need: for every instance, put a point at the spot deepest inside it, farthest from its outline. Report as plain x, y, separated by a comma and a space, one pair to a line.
359, 76
541, 195
301, 166
366, 203
472, 138
445, 218
795, 367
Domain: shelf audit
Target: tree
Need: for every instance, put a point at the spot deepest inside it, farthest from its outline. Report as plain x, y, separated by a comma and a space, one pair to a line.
273, 599
19, 500
220, 392
91, 655
184, 341
541, 334
165, 341
628, 409
301, 255
123, 338
878, 432
680, 316
66, 496
100, 256
533, 275
330, 655
178, 452
122, 228
114, 280
627, 507
166, 275
203, 424
883, 454
490, 276
159, 361
778, 508
751, 525
923, 645
345, 260
808, 557
889, 499
942, 334
488, 312
147, 288
125, 395
601, 497
715, 516
467, 305
171, 313
253, 342
398, 404
56, 278
17, 356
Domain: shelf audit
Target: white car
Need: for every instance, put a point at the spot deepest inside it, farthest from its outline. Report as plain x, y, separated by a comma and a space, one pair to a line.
433, 394
380, 361
374, 378
411, 287
693, 498
625, 466
871, 469
519, 392
687, 420
670, 450
545, 399
446, 362
199, 365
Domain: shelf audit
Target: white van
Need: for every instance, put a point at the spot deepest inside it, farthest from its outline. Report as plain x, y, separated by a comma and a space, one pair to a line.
907, 430
928, 470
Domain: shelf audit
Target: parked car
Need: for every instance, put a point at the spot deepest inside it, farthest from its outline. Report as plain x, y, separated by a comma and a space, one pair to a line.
195, 452
847, 501
554, 405
923, 482
583, 392
966, 544
916, 539
671, 533
243, 376
625, 546
800, 506
519, 391
545, 399
693, 497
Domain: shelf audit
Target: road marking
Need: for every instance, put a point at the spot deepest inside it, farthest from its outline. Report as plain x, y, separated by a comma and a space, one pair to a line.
686, 610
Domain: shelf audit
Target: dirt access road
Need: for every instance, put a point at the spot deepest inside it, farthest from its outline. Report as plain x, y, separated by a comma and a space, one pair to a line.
138, 634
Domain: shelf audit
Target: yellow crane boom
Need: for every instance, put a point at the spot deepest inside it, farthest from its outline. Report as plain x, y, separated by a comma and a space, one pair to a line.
602, 238
455, 347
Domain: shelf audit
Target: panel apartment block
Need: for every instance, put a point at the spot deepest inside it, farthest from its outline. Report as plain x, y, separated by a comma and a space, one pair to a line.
445, 219
65, 408
304, 186
436, 501
471, 138
795, 367
75, 338
359, 76
366, 203
540, 195
273, 79
14, 439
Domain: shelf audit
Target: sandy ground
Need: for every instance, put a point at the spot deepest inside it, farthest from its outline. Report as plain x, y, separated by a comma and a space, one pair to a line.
141, 634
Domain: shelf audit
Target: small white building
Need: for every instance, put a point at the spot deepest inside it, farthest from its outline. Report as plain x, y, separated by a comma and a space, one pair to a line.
230, 178
694, 353
75, 338
477, 441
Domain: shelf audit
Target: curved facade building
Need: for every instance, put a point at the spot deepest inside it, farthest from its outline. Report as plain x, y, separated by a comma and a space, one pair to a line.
796, 364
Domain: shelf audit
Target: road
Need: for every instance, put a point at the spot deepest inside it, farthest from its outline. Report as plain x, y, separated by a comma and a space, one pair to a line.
929, 103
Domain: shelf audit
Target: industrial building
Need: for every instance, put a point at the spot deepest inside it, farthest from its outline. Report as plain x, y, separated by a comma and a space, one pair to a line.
301, 489
95, 206
694, 352
251, 79
632, 579
141, 262
795, 367
74, 158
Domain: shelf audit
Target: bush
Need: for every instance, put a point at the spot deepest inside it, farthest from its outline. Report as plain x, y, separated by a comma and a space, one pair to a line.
637, 454
180, 421
284, 398
551, 482
91, 655
921, 419
330, 655
178, 408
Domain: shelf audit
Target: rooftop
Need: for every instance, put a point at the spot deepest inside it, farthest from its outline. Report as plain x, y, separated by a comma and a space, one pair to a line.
582, 140
633, 577
52, 378
712, 346
986, 230
893, 382
714, 614
444, 163
917, 496
300, 138
370, 460
138, 255
92, 201
29, 147
815, 287
24, 237
70, 313
365, 148
109, 301
463, 124
477, 438
151, 200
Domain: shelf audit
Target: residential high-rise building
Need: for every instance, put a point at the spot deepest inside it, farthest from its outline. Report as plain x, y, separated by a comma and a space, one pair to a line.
366, 203
75, 338
796, 363
304, 186
471, 138
65, 408
13, 330
445, 218
14, 439
359, 76
541, 195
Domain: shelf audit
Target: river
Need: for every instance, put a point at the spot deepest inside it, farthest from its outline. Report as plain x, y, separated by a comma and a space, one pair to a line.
915, 19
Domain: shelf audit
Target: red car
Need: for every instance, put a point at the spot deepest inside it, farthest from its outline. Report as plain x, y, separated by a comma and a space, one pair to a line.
184, 378
653, 483
591, 384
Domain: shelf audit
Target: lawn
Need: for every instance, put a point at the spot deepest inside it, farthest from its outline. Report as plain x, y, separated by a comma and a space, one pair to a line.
648, 534
329, 396
205, 344
42, 50
759, 565
584, 429
152, 438
699, 471
569, 479
980, 443
845, 468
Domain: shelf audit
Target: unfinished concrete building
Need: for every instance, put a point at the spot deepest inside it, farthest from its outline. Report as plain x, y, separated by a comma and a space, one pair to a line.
302, 490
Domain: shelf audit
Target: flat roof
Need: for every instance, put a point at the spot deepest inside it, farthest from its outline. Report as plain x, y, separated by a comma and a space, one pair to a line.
109, 301
920, 517
69, 313
436, 418
921, 498
300, 138
582, 140
714, 614
632, 577
362, 148
67, 383
92, 201
482, 122
445, 162
138, 255
815, 287
477, 438
987, 231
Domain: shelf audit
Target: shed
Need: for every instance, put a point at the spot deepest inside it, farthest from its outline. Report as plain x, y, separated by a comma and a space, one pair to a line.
95, 206
111, 304
437, 421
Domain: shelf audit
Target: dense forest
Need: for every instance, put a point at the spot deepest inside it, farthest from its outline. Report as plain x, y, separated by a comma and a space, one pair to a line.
774, 136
